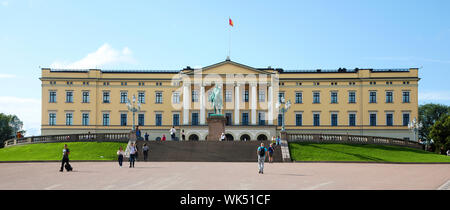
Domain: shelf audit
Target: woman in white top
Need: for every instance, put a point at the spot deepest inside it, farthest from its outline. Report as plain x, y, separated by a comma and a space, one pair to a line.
120, 154
222, 137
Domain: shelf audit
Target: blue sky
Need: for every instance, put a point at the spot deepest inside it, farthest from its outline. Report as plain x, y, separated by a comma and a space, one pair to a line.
174, 34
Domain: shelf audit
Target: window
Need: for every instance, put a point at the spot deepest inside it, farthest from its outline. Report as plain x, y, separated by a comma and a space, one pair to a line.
194, 118
52, 97
244, 118
123, 97
105, 119
106, 97
316, 119
389, 119
85, 97
159, 99
352, 119
228, 96
373, 97
334, 97
123, 119
176, 119
389, 98
141, 118
85, 119
334, 119
280, 119
52, 119
281, 97
245, 95
316, 97
141, 97
69, 97
176, 97
405, 119
373, 119
229, 117
261, 118
298, 119
158, 119
405, 96
69, 119
195, 96
262, 95
351, 97
298, 98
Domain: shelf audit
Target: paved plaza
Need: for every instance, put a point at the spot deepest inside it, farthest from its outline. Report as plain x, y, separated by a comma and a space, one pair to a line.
223, 176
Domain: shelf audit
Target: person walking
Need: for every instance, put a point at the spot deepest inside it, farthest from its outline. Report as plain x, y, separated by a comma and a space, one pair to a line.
222, 137
183, 137
120, 154
278, 140
270, 152
145, 151
133, 151
138, 133
65, 159
172, 133
146, 136
261, 152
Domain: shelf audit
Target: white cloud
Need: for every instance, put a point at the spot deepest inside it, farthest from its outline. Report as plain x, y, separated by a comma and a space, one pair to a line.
7, 76
5, 3
27, 109
105, 55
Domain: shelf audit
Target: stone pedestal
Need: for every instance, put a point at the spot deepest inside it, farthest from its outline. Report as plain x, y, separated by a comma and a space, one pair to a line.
216, 126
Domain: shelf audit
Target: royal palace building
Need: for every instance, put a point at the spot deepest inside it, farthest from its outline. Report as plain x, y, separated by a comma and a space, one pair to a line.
372, 102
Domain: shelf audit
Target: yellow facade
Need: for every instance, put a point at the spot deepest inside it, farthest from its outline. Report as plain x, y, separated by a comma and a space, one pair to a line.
262, 84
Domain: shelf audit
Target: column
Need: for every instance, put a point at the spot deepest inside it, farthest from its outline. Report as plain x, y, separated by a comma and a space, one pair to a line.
237, 98
270, 105
202, 104
186, 102
253, 102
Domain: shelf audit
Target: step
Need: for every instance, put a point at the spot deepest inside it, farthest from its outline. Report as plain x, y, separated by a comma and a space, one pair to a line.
205, 151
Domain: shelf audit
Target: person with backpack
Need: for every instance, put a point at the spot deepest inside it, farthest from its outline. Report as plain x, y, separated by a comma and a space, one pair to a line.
261, 152
133, 151
270, 152
65, 159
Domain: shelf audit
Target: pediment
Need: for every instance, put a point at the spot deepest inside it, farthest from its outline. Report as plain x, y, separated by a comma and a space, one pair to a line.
229, 67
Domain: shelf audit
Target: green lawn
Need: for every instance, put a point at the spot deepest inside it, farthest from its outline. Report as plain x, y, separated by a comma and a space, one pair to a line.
361, 153
53, 151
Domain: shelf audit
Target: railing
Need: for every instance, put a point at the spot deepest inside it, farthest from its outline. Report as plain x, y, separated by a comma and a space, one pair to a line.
99, 137
349, 139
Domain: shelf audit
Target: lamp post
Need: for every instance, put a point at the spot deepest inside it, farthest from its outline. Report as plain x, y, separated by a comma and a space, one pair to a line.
133, 107
283, 110
415, 126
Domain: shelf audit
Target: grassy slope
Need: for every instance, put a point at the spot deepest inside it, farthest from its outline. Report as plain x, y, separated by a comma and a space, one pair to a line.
53, 151
362, 153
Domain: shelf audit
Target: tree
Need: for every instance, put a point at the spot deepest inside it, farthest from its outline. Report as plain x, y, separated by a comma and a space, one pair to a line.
428, 115
440, 133
9, 126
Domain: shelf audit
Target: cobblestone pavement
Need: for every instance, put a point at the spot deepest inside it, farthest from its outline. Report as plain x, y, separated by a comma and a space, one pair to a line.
226, 176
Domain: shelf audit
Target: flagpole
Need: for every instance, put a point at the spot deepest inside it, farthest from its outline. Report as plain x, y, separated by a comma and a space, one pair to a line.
229, 44
229, 40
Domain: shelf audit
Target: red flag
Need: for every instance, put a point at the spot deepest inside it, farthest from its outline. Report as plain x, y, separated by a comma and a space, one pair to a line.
231, 22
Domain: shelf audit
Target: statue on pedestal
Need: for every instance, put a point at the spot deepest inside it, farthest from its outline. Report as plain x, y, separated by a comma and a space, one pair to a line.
216, 100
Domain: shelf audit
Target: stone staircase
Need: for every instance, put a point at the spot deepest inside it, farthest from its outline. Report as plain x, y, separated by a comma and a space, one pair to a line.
205, 151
